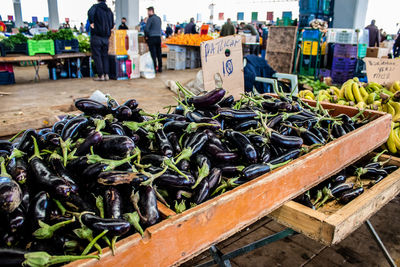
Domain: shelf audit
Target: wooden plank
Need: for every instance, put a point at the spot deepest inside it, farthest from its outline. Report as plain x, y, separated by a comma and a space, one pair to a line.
25, 58
280, 48
184, 235
330, 229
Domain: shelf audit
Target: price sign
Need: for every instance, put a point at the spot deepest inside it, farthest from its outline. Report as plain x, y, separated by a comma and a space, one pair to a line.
382, 70
222, 61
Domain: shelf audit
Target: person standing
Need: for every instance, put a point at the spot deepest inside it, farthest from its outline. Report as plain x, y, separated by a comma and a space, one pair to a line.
373, 34
177, 28
123, 24
190, 28
227, 29
82, 28
152, 32
168, 31
101, 21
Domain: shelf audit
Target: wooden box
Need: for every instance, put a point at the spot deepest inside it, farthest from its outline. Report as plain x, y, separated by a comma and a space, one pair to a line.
183, 236
332, 225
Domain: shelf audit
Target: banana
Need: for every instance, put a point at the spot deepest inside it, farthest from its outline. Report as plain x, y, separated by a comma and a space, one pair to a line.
396, 106
310, 95
361, 105
341, 102
391, 143
356, 93
384, 108
348, 93
392, 89
364, 93
396, 138
390, 110
396, 85
335, 90
371, 98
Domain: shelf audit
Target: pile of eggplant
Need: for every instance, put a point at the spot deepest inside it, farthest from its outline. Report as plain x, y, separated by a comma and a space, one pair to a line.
92, 178
342, 189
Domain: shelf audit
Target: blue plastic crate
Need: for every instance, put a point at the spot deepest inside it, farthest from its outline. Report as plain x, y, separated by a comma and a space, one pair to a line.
345, 50
311, 35
66, 46
343, 63
7, 77
308, 6
340, 76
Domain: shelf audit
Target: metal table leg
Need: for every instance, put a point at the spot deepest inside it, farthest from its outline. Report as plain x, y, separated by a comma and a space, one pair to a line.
223, 259
37, 67
380, 243
78, 67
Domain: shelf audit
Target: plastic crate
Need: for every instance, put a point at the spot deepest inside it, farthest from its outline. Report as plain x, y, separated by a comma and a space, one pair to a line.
345, 50
41, 47
118, 43
17, 49
340, 76
64, 69
177, 48
66, 46
311, 35
343, 63
7, 77
133, 42
6, 67
284, 22
325, 7
135, 61
304, 20
347, 36
118, 69
176, 56
362, 50
192, 64
176, 65
308, 6
324, 72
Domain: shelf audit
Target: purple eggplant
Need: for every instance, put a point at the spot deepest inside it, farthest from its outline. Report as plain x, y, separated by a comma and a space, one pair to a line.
73, 127
173, 181
210, 98
112, 203
286, 141
256, 170
91, 107
131, 103
118, 177
93, 139
164, 144
350, 195
10, 194
238, 115
115, 227
115, 145
243, 144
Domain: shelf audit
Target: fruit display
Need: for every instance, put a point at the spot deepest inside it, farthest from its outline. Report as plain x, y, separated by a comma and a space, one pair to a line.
348, 184
73, 188
309, 83
366, 96
188, 39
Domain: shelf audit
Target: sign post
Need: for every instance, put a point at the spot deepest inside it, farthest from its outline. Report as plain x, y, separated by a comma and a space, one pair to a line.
382, 70
222, 60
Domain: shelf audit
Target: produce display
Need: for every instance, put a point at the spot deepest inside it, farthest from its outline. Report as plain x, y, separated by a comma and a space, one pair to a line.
62, 34
188, 39
348, 184
308, 83
84, 43
92, 178
13, 40
366, 96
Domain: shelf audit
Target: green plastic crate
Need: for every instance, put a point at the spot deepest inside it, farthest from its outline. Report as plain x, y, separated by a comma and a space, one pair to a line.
362, 50
41, 47
284, 22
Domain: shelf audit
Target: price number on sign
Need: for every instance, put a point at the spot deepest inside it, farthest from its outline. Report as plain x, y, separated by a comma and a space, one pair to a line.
227, 67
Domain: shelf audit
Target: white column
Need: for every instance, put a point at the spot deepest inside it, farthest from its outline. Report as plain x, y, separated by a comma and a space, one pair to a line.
350, 14
128, 9
54, 21
18, 13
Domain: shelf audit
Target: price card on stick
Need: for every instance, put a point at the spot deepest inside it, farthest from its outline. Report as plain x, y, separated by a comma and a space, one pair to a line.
222, 60
382, 70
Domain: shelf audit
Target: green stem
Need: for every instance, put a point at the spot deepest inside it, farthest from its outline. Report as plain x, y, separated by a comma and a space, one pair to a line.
185, 154
100, 205
134, 220
168, 162
134, 126
94, 241
46, 231
113, 241
376, 158
41, 258
186, 92
112, 164
193, 126
204, 171
36, 152
17, 154
60, 207
152, 177
3, 168
15, 136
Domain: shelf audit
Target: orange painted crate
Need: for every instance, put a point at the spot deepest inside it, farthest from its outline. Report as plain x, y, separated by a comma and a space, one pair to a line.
183, 236
118, 43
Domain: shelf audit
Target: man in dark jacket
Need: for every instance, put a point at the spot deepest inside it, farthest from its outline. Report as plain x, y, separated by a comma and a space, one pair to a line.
227, 29
101, 21
190, 27
152, 32
123, 25
373, 34
168, 31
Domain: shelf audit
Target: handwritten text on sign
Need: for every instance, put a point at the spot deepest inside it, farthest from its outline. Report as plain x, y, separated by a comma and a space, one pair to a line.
223, 57
382, 70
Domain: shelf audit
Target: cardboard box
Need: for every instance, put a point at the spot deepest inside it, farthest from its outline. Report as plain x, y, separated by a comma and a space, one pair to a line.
377, 52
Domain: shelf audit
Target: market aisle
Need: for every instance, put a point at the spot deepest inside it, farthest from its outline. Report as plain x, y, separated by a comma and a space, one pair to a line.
358, 249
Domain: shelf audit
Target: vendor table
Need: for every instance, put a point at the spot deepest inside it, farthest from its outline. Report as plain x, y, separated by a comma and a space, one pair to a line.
42, 58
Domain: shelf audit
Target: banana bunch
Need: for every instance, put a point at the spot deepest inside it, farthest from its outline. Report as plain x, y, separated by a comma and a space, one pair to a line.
307, 94
393, 142
395, 87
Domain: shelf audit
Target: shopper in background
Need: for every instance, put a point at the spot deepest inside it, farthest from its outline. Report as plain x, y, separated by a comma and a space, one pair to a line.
190, 27
152, 33
396, 47
249, 28
82, 28
101, 21
227, 29
264, 41
373, 32
168, 31
123, 25
177, 28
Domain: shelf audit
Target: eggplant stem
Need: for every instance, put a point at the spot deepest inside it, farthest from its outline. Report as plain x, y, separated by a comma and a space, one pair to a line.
36, 152
186, 92
113, 241
15, 136
134, 219
160, 197
94, 241
204, 171
376, 158
152, 177
60, 206
3, 172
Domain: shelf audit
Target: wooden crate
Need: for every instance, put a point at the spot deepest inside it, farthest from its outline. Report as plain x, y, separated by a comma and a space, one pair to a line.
334, 224
281, 44
183, 236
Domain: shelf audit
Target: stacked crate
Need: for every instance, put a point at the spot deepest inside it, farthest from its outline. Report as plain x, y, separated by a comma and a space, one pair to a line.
133, 53
192, 58
176, 58
344, 62
315, 9
118, 67
6, 74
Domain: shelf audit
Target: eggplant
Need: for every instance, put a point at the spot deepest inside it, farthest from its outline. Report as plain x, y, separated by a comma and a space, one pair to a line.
116, 129
173, 140
214, 178
131, 103
372, 173
265, 154
148, 205
201, 192
246, 125
274, 121
164, 144
292, 154
175, 126
63, 173
196, 143
173, 181
350, 195
39, 209
58, 126
25, 144
256, 170
16, 220
243, 144
118, 177
122, 113
10, 194
337, 130
91, 107
230, 170
390, 168
227, 102
6, 145
236, 115
112, 203
73, 127
115, 227
115, 145
339, 189
92, 140
286, 141
210, 98
18, 169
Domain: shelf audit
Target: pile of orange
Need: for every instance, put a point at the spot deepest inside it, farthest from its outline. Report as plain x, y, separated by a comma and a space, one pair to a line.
188, 39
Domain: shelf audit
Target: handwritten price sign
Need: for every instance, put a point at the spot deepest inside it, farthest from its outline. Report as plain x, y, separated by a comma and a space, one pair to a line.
382, 70
223, 57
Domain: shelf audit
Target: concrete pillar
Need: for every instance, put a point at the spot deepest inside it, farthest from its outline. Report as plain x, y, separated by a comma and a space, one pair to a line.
128, 9
54, 21
350, 14
18, 13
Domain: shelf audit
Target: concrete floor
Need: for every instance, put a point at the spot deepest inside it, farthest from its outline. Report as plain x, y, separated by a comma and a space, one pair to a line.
33, 104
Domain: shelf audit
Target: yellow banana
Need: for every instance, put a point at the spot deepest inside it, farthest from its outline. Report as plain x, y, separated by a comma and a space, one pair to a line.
348, 92
391, 143
356, 93
396, 138
392, 89
310, 95
371, 98
396, 106
341, 102
396, 85
364, 93
384, 108
356, 79
390, 110
361, 105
